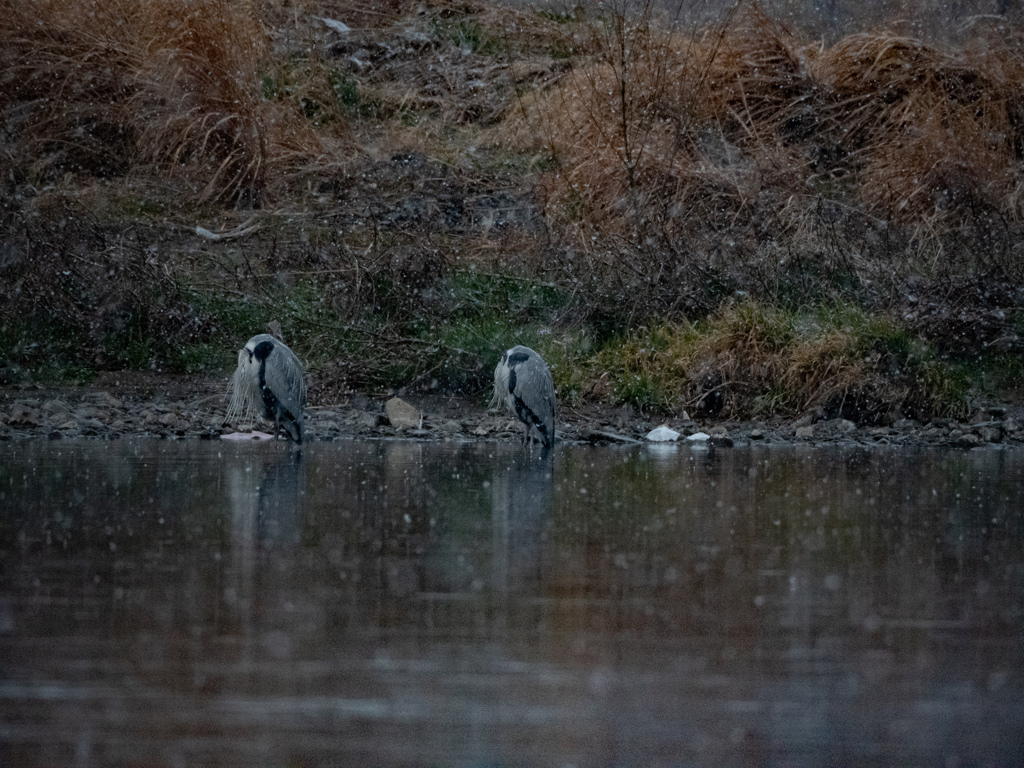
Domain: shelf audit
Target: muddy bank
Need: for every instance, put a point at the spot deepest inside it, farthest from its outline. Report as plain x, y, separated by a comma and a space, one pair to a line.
172, 407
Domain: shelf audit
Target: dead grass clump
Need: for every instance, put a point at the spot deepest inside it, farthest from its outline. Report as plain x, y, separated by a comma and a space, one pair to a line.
931, 131
104, 87
762, 82
618, 127
728, 141
197, 100
64, 76
660, 137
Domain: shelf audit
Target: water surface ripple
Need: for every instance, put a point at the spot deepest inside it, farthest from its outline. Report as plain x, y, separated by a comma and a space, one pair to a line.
402, 603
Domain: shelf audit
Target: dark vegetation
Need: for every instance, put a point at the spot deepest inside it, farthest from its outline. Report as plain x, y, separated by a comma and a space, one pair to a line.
727, 209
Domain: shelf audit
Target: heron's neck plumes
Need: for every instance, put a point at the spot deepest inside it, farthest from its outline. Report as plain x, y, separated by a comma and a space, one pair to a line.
500, 397
245, 391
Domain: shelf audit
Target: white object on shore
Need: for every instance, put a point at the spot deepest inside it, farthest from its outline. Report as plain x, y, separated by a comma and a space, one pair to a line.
662, 434
235, 436
698, 437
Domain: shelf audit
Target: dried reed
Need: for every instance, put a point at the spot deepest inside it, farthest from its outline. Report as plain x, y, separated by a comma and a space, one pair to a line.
692, 131
103, 86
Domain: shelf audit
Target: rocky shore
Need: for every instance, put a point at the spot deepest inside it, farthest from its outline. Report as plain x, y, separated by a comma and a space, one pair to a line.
180, 408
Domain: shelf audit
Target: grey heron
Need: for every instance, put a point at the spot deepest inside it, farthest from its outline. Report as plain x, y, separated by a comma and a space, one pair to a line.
523, 384
269, 381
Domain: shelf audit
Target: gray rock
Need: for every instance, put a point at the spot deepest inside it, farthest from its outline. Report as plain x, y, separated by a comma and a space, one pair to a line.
756, 434
23, 415
805, 433
104, 400
990, 434
451, 426
369, 420
54, 408
905, 425
720, 441
402, 414
812, 416
967, 440
1011, 424
168, 419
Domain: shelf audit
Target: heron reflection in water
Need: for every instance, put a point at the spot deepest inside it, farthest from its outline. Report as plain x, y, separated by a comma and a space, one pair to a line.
266, 489
522, 494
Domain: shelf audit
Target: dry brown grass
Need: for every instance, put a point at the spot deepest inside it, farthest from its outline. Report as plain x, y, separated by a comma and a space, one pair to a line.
105, 86
732, 126
621, 125
198, 98
932, 131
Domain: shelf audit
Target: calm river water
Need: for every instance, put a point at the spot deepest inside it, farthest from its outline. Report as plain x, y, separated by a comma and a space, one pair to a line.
399, 603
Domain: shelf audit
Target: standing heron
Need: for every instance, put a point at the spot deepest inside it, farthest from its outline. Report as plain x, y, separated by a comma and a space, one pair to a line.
269, 382
522, 383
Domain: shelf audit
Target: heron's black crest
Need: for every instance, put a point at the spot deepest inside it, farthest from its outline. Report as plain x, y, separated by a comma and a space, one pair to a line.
263, 350
516, 358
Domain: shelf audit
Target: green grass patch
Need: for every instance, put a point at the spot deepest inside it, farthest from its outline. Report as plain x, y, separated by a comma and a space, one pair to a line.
750, 359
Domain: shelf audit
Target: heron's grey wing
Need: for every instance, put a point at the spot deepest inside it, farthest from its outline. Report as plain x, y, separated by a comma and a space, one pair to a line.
536, 389
284, 376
